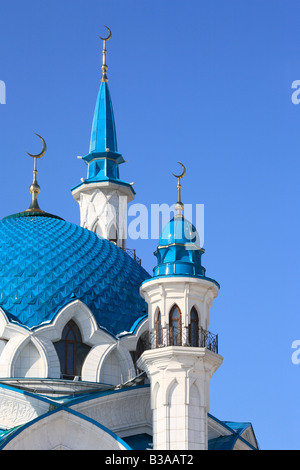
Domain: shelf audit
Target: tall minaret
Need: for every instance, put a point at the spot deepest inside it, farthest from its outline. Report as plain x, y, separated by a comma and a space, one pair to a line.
184, 354
103, 196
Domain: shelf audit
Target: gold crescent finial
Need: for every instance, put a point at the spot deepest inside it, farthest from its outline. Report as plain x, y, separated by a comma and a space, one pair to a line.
109, 35
34, 188
183, 171
44, 150
104, 66
179, 205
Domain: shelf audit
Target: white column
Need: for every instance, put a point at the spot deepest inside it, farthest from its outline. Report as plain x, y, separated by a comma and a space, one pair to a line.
179, 375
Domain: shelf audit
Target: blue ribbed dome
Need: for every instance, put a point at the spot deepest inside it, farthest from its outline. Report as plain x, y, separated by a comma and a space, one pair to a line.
46, 262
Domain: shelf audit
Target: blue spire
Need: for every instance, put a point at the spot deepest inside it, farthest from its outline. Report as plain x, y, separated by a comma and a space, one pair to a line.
103, 159
103, 136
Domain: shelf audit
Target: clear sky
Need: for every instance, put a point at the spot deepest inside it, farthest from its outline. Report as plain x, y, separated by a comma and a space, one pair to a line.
207, 83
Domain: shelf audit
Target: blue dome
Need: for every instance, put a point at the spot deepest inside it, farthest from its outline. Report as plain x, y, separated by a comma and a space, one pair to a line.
179, 251
179, 230
46, 262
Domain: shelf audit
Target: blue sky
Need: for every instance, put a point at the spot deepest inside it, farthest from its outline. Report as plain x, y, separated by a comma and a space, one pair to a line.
207, 83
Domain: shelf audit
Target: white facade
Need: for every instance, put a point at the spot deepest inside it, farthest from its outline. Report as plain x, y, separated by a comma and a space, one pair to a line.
38, 410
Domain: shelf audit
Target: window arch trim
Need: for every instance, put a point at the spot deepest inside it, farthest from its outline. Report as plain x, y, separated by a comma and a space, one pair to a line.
194, 327
175, 326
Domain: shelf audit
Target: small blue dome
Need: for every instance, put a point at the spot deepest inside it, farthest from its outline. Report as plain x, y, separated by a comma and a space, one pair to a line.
179, 230
46, 262
179, 251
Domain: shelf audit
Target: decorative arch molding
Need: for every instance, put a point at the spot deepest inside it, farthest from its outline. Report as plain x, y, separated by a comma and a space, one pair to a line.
91, 369
10, 329
156, 389
168, 390
201, 384
130, 340
97, 224
64, 429
42, 338
122, 368
12, 355
195, 384
175, 325
197, 308
84, 319
172, 305
3, 323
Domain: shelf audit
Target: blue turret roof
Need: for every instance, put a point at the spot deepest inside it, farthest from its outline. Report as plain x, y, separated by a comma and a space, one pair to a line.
179, 251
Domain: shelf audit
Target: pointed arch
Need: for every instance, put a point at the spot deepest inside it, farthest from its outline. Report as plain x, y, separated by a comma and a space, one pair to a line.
158, 329
98, 230
30, 359
115, 367
194, 327
71, 351
175, 326
154, 395
112, 232
63, 429
196, 417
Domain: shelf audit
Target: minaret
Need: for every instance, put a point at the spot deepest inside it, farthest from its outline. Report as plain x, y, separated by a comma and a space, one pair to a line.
103, 196
184, 354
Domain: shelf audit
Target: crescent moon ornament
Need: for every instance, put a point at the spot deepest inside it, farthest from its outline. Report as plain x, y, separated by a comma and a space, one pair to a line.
109, 35
179, 205
44, 150
183, 171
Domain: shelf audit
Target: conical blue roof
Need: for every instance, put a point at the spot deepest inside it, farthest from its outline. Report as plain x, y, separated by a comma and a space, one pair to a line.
46, 262
103, 134
103, 159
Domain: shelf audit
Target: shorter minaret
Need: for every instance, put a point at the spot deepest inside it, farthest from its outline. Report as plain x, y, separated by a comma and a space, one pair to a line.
184, 354
103, 196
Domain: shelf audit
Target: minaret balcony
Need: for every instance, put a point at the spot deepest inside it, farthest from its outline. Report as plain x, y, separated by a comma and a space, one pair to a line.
168, 336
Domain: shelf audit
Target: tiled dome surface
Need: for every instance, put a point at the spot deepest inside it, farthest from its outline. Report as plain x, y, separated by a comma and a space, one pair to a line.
46, 262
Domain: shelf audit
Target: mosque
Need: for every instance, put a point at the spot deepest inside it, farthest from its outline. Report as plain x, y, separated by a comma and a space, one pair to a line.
96, 353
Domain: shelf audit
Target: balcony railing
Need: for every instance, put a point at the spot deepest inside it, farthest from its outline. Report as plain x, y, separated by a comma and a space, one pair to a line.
131, 252
166, 337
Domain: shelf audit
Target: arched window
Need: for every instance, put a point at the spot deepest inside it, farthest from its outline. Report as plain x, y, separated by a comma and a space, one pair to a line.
194, 328
71, 351
175, 326
158, 330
